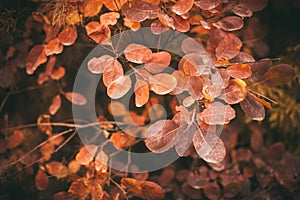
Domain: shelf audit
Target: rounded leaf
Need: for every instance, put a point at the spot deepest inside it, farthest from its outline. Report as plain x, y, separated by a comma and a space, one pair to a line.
141, 91
231, 23
239, 71
235, 92
137, 53
207, 5
76, 98
110, 18
98, 32
98, 65
229, 47
182, 6
41, 180
119, 87
162, 83
252, 108
55, 105
68, 36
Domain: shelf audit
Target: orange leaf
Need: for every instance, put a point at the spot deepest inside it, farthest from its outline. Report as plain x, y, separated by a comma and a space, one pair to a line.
68, 36
140, 11
122, 140
263, 102
116, 108
97, 192
44, 128
110, 18
152, 190
207, 5
55, 105
98, 65
97, 32
137, 53
80, 188
73, 167
182, 6
41, 180
112, 72
228, 48
235, 92
119, 87
76, 98
131, 24
133, 186
162, 83
157, 62
53, 47
252, 108
239, 71
15, 140
141, 91
57, 169
231, 23
86, 154
114, 5
58, 73
73, 18
35, 58
92, 8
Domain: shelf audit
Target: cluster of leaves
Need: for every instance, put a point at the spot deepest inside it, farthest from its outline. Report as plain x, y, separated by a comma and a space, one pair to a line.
215, 73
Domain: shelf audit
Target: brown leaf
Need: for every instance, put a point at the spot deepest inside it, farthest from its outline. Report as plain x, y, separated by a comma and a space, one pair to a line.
197, 181
117, 109
97, 191
98, 65
181, 82
217, 113
259, 68
255, 5
235, 92
122, 140
65, 196
92, 7
86, 154
277, 75
209, 147
76, 98
141, 92
207, 5
161, 136
157, 27
231, 23
110, 18
98, 32
228, 48
182, 6
114, 5
162, 83
119, 87
140, 11
73, 167
133, 186
152, 191
42, 78
58, 73
192, 45
57, 169
15, 140
112, 72
137, 53
166, 177
44, 128
35, 58
55, 105
242, 10
193, 64
41, 180
131, 24
239, 71
252, 108
190, 192
80, 188
68, 36
53, 47
181, 25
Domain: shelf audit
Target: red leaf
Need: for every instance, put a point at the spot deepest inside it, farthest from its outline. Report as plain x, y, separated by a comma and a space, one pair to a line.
140, 11
242, 10
252, 108
58, 73
15, 140
41, 180
53, 47
278, 75
141, 91
231, 23
209, 147
98, 32
259, 68
217, 113
137, 53
133, 186
110, 18
162, 83
35, 58
239, 71
157, 27
55, 105
207, 5
181, 82
119, 87
68, 36
181, 25
192, 45
182, 6
98, 65
194, 64
157, 62
228, 48
92, 7
161, 136
235, 92
76, 98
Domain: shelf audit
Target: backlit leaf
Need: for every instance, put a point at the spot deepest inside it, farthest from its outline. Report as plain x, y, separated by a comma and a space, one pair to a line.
110, 18
41, 180
231, 23
207, 5
252, 108
68, 36
133, 186
152, 190
73, 18
55, 105
157, 27
15, 140
119, 87
41, 122
141, 92
92, 8
162, 83
98, 32
122, 140
98, 65
35, 58
181, 82
80, 188
97, 191
194, 65
239, 71
131, 24
137, 53
235, 92
58, 73
53, 47
181, 25
157, 62
228, 48
86, 154
191, 45
209, 147
76, 98
182, 6
161, 136
140, 11
114, 5
277, 75
217, 113
57, 169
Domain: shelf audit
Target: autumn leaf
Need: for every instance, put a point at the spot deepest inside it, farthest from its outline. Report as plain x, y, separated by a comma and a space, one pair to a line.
228, 48
86, 154
80, 188
76, 98
181, 82
182, 6
217, 113
15, 140
162, 83
119, 87
277, 75
141, 92
259, 69
157, 27
152, 190
252, 108
137, 53
140, 11
68, 36
193, 64
57, 169
192, 45
235, 92
133, 186
181, 25
110, 18
98, 65
114, 5
98, 32
231, 23
240, 71
255, 5
58, 73
134, 26
158, 62
41, 180
35, 58
92, 7
55, 105
42, 119
96, 191
207, 5
242, 10
122, 140
53, 47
